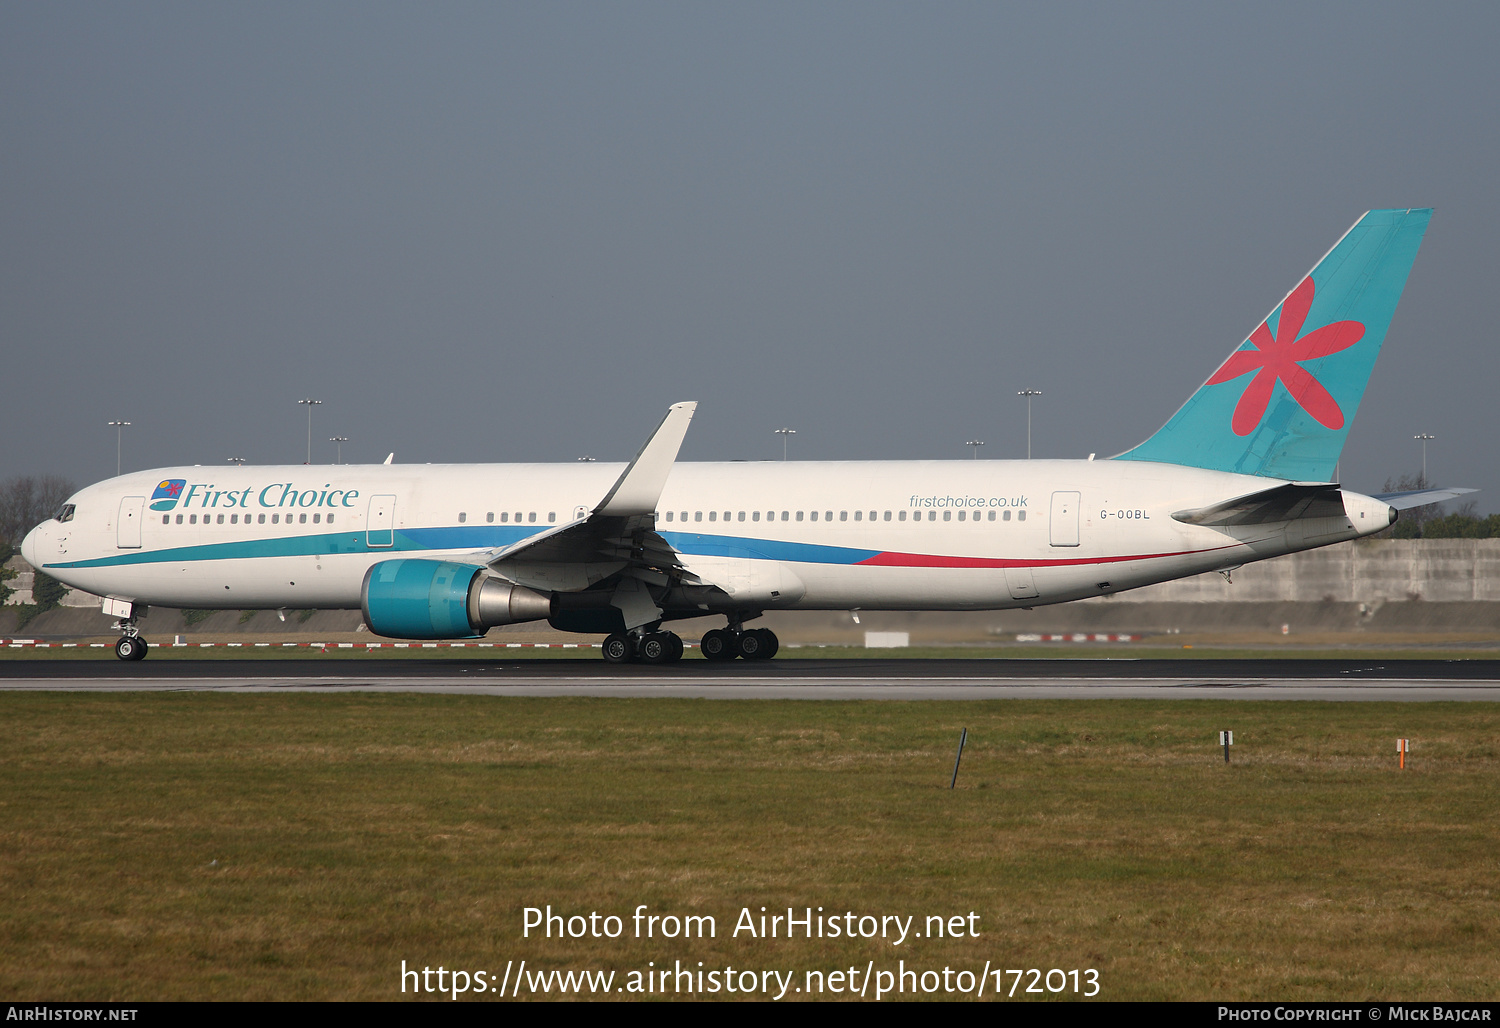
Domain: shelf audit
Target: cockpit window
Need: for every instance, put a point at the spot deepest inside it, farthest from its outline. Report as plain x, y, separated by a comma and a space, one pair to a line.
65, 512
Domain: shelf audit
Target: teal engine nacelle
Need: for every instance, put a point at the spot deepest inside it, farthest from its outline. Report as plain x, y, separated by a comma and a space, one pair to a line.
438, 599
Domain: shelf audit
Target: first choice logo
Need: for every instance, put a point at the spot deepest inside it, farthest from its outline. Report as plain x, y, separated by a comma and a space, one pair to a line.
278, 494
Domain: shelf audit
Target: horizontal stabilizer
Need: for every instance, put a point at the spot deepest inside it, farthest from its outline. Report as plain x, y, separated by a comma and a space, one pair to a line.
1282, 503
1420, 497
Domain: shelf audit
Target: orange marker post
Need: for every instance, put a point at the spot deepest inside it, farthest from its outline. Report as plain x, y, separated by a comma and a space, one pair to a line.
1403, 746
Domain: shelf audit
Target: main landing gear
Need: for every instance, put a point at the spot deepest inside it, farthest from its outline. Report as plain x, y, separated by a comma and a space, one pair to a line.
719, 644
643, 647
728, 643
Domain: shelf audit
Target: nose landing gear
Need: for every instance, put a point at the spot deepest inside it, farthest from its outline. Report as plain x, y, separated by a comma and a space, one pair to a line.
131, 647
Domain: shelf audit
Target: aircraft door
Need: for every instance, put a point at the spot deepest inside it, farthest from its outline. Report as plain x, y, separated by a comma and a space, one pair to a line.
1065, 519
380, 525
1022, 583
128, 529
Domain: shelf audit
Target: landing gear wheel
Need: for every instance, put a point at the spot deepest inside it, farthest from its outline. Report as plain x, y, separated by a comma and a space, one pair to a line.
749, 645
655, 648
131, 647
617, 649
769, 644
676, 643
718, 644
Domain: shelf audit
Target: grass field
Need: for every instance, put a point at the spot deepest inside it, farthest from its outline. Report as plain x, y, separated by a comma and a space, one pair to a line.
192, 845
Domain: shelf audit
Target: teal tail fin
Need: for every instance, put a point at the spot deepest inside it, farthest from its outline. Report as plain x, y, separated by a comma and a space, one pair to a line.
1282, 404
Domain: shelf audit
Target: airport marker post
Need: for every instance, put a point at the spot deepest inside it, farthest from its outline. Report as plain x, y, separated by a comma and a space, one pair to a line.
1226, 740
963, 736
1403, 747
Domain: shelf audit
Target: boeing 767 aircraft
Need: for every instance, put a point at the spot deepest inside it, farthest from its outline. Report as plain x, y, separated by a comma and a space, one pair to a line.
1240, 473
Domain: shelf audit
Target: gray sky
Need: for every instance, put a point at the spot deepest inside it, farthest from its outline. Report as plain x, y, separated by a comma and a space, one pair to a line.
517, 232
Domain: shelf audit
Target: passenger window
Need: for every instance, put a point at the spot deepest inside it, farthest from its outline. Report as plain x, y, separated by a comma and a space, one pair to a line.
504, 517
301, 519
330, 519
992, 515
234, 519
275, 518
462, 517
888, 516
900, 517
1005, 515
755, 516
317, 518
814, 515
961, 515
1020, 515
490, 517
682, 516
786, 513
726, 515
669, 515
799, 515
166, 519
531, 517
828, 516
551, 516
947, 515
179, 519
697, 515
858, 513
742, 516
843, 515
193, 519
932, 515
259, 518
518, 517
713, 515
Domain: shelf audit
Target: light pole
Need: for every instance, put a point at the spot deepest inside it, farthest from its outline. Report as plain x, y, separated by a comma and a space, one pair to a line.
784, 432
236, 460
310, 405
1028, 393
119, 427
1423, 438
340, 440
976, 444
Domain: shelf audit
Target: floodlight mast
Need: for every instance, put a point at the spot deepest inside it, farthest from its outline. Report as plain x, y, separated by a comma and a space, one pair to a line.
1028, 393
119, 427
310, 405
784, 432
1424, 438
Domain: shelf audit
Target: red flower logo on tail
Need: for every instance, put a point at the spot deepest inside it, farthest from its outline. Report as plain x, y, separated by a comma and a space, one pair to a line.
1278, 359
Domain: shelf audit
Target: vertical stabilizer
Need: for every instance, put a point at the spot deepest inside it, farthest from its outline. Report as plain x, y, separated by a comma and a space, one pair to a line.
1282, 404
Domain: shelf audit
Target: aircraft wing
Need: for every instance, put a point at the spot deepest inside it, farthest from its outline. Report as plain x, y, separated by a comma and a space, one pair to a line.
619, 535
1286, 502
1420, 497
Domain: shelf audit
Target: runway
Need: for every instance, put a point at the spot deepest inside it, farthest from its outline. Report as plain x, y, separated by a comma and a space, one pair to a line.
856, 679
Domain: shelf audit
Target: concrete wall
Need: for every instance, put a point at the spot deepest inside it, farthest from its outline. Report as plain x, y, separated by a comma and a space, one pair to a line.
1368, 571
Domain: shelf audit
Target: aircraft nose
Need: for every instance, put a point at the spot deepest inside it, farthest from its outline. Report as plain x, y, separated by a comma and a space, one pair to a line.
31, 546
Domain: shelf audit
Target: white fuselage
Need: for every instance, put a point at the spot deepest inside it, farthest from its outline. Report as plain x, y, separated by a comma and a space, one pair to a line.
907, 535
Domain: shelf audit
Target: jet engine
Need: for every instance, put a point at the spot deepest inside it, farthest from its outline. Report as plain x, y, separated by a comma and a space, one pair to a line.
440, 599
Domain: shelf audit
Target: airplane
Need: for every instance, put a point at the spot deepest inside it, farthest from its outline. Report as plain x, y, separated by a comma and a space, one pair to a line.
1242, 472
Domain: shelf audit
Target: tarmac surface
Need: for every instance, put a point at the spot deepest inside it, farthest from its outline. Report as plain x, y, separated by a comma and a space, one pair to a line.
828, 679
